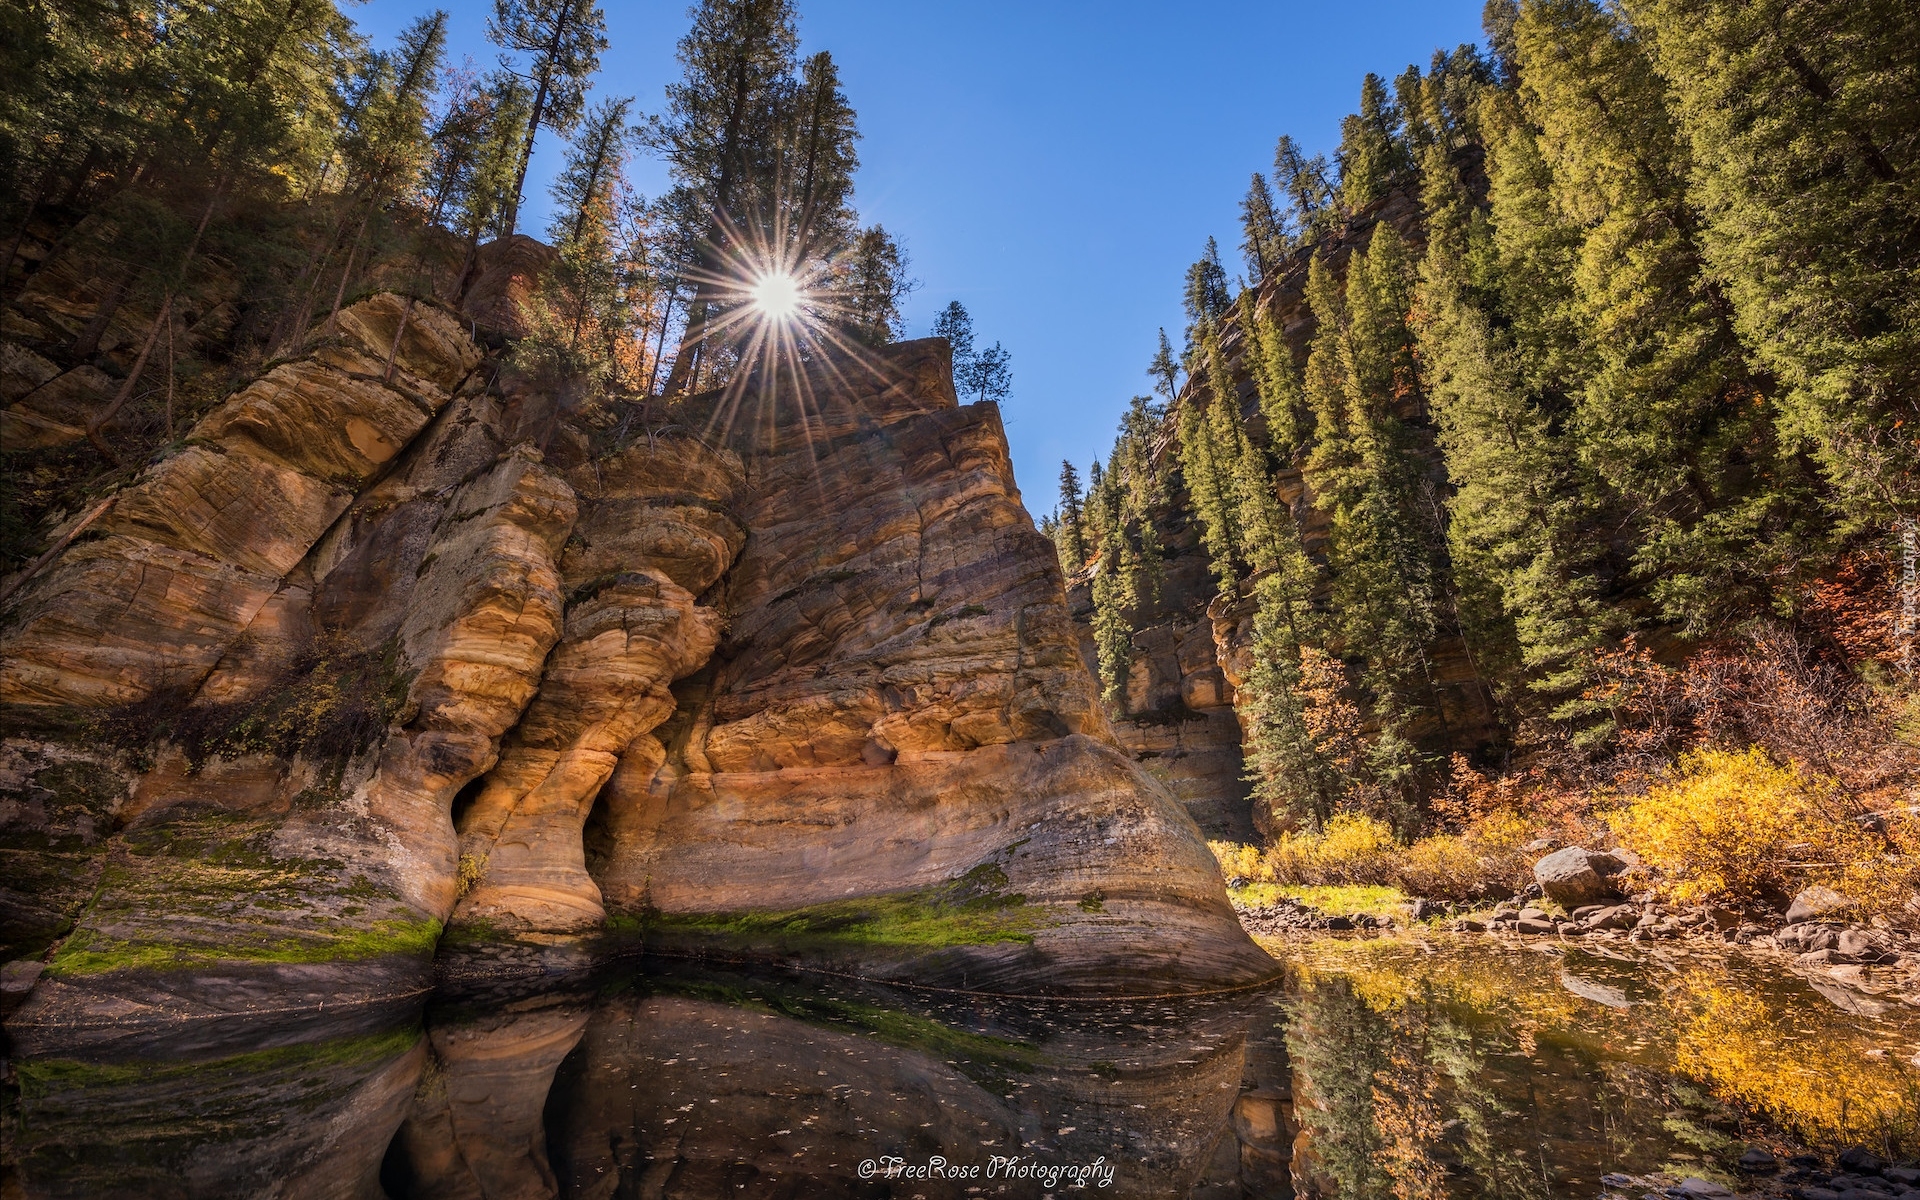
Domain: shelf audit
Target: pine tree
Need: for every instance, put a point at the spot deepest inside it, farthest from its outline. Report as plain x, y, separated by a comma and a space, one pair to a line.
990, 375
1670, 415
721, 138
1303, 181
955, 325
1276, 380
564, 40
1264, 241
1072, 537
1112, 633
1798, 121
1373, 150
1206, 295
1368, 476
870, 287
820, 160
1165, 369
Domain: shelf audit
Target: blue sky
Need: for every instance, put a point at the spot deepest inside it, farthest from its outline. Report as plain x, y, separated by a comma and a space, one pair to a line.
1052, 165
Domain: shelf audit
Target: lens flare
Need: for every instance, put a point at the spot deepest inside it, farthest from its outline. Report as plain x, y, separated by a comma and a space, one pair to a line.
777, 296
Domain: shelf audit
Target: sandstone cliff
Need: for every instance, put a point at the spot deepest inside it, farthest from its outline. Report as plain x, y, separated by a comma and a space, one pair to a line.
357, 661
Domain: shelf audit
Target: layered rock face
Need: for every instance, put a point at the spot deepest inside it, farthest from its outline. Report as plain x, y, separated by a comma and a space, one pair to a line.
897, 745
360, 660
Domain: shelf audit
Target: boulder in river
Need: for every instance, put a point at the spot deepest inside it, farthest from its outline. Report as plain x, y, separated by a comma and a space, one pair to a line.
1572, 878
1814, 903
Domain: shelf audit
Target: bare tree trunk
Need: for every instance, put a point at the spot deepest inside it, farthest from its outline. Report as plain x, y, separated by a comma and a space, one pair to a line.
170, 362
127, 385
153, 334
66, 540
89, 337
346, 272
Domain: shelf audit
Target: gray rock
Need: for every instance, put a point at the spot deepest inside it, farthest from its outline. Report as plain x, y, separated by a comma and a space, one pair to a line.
1568, 878
1467, 925
1758, 1160
1620, 916
1806, 937
1539, 846
1697, 1187
1863, 945
1531, 913
1339, 924
1814, 903
16, 980
1861, 1161
1527, 925
1422, 909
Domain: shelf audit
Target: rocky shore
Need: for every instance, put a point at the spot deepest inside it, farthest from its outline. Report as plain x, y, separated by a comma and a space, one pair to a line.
1582, 894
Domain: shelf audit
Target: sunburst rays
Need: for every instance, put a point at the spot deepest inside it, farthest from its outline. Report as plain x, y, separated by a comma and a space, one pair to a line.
780, 311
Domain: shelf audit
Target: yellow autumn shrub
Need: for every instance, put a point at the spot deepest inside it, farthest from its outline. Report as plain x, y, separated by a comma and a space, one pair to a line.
1738, 826
1237, 860
1355, 850
1351, 849
1457, 866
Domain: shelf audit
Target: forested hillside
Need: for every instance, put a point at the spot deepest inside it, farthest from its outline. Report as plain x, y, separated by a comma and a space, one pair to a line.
185, 187
1566, 422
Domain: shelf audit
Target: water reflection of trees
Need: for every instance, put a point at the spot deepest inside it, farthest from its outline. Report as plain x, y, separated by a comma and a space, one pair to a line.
1425, 1076
1397, 1100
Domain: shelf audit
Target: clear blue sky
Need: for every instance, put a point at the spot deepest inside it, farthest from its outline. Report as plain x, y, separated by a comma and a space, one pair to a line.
1053, 165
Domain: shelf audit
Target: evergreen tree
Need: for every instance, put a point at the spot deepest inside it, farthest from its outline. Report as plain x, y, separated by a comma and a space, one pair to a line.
1264, 241
1276, 380
1373, 150
1072, 537
564, 40
1670, 414
720, 137
1798, 122
820, 160
1206, 295
955, 325
1368, 476
870, 287
990, 375
1303, 181
1165, 369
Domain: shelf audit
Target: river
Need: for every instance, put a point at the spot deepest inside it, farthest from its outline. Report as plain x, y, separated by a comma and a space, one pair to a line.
1416, 1066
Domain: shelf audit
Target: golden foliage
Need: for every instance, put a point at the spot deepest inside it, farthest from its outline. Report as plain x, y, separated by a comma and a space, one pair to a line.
1359, 850
1738, 826
1823, 1088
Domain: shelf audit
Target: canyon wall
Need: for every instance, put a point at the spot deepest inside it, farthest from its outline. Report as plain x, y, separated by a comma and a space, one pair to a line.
390, 657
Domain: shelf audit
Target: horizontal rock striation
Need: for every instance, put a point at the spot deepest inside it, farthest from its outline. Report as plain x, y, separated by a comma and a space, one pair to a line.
360, 662
897, 747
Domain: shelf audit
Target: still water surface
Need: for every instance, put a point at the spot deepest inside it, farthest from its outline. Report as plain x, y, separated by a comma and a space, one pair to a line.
1397, 1066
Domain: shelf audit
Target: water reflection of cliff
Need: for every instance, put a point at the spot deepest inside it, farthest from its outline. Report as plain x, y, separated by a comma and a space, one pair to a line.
691, 1086
1418, 1073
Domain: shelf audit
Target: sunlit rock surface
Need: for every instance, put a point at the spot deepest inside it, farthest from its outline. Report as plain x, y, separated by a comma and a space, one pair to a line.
392, 647
897, 744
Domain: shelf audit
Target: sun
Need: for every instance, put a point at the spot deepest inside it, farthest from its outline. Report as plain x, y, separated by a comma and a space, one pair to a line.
777, 296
